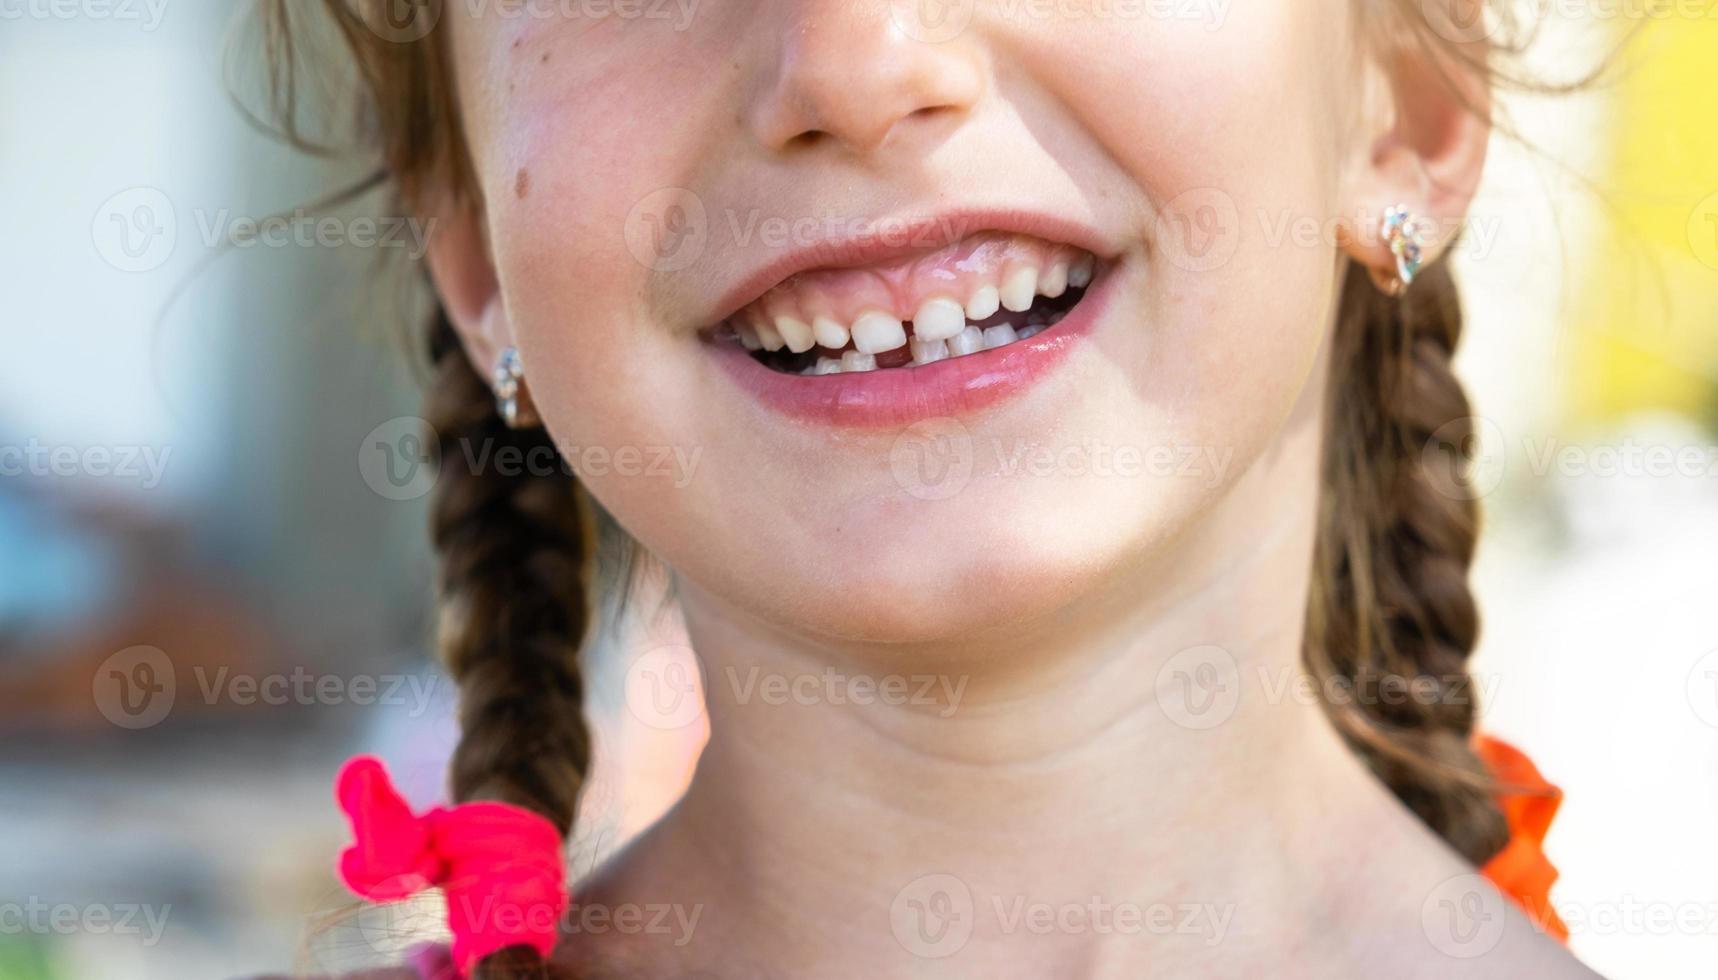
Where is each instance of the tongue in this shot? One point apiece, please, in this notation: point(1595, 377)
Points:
point(899, 357)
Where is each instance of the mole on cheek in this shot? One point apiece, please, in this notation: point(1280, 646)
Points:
point(521, 183)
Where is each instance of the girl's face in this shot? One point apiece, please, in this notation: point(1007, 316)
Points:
point(1131, 202)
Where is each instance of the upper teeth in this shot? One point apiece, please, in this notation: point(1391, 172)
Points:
point(830, 333)
point(768, 336)
point(876, 332)
point(941, 326)
point(1080, 272)
point(939, 319)
point(795, 334)
point(1055, 280)
point(1019, 289)
point(984, 303)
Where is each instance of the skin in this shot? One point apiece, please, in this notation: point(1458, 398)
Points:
point(1056, 601)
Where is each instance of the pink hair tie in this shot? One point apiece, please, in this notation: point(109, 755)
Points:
point(499, 865)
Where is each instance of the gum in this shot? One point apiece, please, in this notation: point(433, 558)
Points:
point(901, 287)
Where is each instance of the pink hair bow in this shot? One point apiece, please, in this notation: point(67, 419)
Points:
point(499, 866)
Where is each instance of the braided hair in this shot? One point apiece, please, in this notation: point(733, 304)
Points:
point(513, 550)
point(1390, 598)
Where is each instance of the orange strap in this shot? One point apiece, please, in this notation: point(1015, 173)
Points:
point(1521, 869)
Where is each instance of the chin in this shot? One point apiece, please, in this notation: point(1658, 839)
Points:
point(969, 575)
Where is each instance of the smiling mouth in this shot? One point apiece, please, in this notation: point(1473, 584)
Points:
point(982, 293)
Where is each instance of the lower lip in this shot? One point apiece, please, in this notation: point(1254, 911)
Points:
point(955, 387)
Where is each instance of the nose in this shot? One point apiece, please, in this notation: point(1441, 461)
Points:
point(851, 73)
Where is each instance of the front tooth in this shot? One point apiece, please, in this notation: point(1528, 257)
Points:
point(969, 341)
point(1019, 289)
point(795, 333)
point(826, 365)
point(999, 335)
point(929, 351)
point(1080, 273)
point(1055, 281)
point(1031, 330)
point(768, 336)
point(854, 361)
point(829, 332)
point(984, 303)
point(876, 332)
point(748, 336)
point(939, 319)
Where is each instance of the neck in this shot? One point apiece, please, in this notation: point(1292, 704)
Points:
point(1121, 770)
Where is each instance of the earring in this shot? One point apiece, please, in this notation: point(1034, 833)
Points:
point(507, 375)
point(1407, 234)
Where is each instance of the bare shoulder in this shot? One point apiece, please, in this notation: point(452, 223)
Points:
point(1493, 946)
point(1553, 960)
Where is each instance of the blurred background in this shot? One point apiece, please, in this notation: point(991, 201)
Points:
point(214, 577)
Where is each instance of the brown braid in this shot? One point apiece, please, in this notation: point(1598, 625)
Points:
point(513, 554)
point(1390, 595)
point(1396, 536)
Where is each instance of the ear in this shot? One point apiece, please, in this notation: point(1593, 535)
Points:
point(464, 274)
point(1425, 147)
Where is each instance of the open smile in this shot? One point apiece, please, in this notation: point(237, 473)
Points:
point(943, 331)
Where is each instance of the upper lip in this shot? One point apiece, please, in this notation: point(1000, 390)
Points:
point(899, 238)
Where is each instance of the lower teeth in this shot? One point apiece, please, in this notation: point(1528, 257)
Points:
point(970, 341)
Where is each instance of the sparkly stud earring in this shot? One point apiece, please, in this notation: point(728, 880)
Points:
point(1407, 234)
point(507, 375)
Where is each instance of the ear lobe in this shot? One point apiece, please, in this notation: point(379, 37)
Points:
point(465, 279)
point(1431, 157)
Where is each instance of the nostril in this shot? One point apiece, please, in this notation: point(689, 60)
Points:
point(812, 138)
point(932, 113)
point(806, 140)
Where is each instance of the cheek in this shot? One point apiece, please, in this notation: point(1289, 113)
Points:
point(1232, 136)
point(577, 158)
point(1229, 185)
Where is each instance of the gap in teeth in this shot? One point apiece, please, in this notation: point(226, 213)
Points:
point(894, 344)
point(786, 328)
